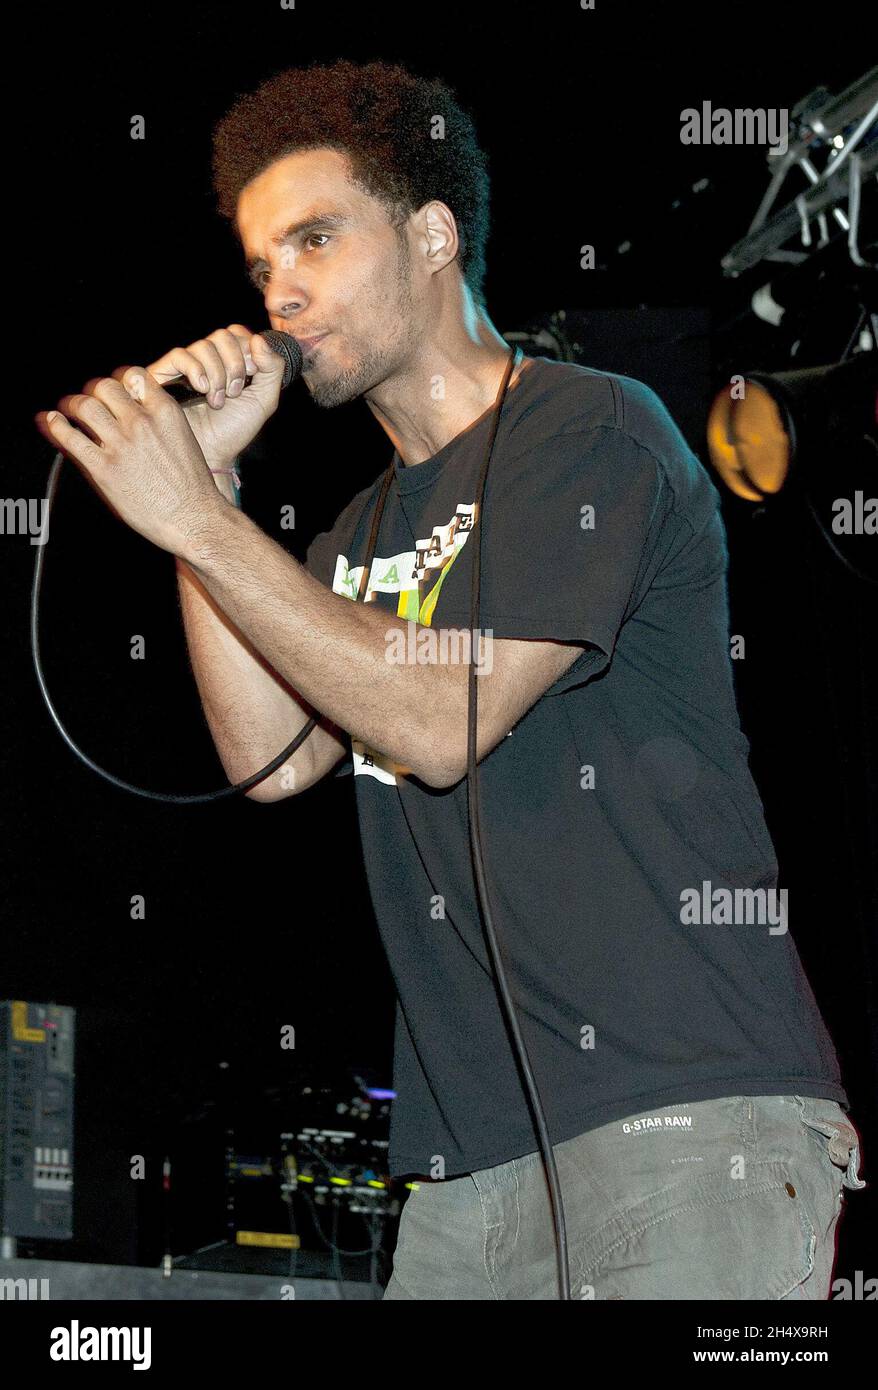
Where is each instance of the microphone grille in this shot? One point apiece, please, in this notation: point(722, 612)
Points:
point(285, 345)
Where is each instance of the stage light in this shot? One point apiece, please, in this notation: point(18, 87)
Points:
point(749, 445)
point(764, 426)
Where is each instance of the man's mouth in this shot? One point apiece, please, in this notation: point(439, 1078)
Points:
point(308, 344)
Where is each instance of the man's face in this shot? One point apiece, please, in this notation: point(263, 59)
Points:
point(345, 272)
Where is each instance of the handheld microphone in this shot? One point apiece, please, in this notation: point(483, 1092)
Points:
point(284, 344)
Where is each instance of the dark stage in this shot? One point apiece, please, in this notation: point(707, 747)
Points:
point(194, 941)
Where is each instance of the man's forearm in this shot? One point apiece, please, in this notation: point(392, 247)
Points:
point(250, 716)
point(332, 650)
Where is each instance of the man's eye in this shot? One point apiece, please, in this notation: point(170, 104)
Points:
point(261, 278)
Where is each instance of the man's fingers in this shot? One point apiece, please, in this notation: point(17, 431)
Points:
point(142, 387)
point(242, 335)
point(70, 440)
point(235, 354)
point(91, 415)
point(267, 358)
point(113, 396)
point(176, 363)
point(216, 365)
point(214, 368)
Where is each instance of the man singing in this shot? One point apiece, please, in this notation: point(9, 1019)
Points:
point(691, 1091)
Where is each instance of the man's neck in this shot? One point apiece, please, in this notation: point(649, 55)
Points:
point(420, 418)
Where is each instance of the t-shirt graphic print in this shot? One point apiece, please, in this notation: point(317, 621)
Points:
point(416, 577)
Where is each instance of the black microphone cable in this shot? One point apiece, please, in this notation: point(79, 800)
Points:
point(474, 809)
point(287, 347)
point(503, 991)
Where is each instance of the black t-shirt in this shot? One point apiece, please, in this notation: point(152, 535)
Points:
point(617, 816)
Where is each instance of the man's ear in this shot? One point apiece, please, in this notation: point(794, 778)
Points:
point(440, 232)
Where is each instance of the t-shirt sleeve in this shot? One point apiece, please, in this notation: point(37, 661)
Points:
point(321, 555)
point(571, 529)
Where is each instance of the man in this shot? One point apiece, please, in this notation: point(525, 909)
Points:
point(691, 1090)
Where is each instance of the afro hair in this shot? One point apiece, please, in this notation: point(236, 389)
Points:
point(407, 138)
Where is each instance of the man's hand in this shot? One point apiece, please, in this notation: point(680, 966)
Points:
point(141, 455)
point(231, 415)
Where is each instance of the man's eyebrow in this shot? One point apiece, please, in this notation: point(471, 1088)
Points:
point(306, 224)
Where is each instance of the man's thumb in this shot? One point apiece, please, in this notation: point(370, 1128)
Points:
point(265, 359)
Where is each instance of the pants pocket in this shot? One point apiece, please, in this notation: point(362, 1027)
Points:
point(836, 1135)
point(715, 1237)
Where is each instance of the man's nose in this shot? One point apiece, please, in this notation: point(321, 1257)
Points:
point(283, 309)
point(284, 298)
